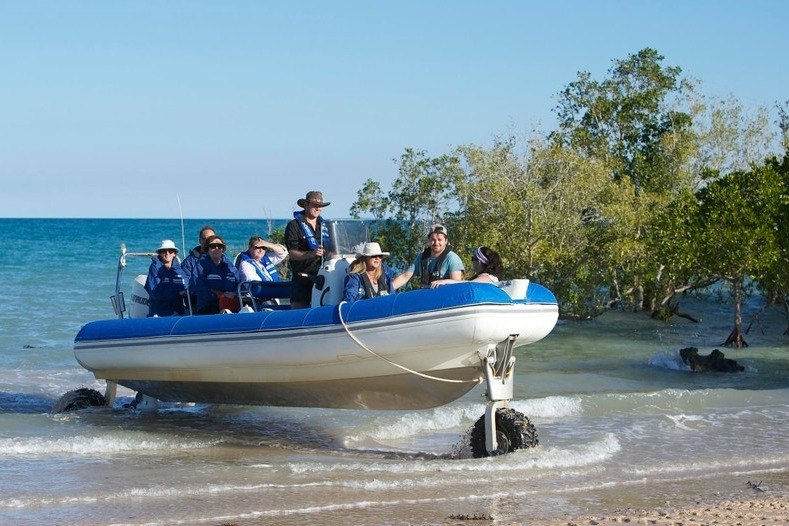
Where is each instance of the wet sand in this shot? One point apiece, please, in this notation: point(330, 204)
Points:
point(750, 504)
point(764, 510)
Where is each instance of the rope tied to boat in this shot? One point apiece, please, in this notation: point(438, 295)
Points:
point(403, 367)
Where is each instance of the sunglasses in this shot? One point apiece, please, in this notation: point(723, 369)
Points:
point(259, 248)
point(169, 251)
point(216, 245)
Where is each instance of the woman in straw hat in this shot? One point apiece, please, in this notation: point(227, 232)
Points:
point(166, 285)
point(368, 277)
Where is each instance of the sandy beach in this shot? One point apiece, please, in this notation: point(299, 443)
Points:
point(767, 509)
point(757, 504)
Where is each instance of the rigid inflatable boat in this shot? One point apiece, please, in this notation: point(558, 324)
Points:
point(410, 350)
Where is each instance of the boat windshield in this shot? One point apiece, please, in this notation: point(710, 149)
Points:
point(346, 235)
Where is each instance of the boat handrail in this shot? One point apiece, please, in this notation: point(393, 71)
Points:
point(117, 299)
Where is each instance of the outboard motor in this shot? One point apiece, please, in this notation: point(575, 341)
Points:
point(139, 299)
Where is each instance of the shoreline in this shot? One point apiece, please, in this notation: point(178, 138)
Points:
point(730, 501)
point(767, 508)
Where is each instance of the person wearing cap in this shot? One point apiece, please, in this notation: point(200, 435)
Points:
point(368, 276)
point(166, 282)
point(306, 238)
point(437, 261)
point(486, 264)
point(215, 280)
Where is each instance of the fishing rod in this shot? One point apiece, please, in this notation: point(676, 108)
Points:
point(183, 247)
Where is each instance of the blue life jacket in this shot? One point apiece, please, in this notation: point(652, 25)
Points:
point(210, 276)
point(269, 271)
point(165, 289)
point(310, 235)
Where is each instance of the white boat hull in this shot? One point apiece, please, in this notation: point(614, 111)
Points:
point(362, 364)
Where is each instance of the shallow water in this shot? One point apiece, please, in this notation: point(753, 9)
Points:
point(621, 421)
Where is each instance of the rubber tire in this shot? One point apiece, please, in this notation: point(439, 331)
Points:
point(513, 431)
point(77, 399)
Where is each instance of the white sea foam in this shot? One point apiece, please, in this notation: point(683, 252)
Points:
point(524, 459)
point(107, 443)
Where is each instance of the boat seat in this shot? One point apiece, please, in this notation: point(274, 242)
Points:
point(264, 295)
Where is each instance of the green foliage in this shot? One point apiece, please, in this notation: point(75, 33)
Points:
point(627, 120)
point(419, 197)
point(625, 204)
point(772, 274)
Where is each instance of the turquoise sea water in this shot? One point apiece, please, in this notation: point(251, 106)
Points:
point(621, 421)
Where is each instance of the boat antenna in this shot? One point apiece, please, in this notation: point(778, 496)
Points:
point(183, 247)
point(183, 233)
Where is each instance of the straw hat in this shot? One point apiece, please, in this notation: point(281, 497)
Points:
point(367, 250)
point(313, 198)
point(167, 244)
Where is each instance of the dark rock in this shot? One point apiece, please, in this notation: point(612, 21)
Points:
point(715, 361)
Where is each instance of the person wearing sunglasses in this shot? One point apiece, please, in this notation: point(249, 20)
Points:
point(259, 263)
point(216, 279)
point(166, 283)
point(487, 267)
point(368, 276)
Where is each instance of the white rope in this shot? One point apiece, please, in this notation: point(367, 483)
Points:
point(404, 368)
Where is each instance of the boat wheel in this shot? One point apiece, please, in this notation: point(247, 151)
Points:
point(78, 399)
point(513, 431)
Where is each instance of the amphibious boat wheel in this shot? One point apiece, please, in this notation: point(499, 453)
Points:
point(78, 399)
point(513, 431)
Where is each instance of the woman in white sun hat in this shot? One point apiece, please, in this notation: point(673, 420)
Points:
point(368, 276)
point(166, 285)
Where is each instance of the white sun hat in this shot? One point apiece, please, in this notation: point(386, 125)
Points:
point(370, 249)
point(167, 244)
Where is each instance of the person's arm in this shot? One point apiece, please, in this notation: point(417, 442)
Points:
point(446, 281)
point(402, 279)
point(152, 281)
point(455, 267)
point(276, 248)
point(277, 257)
point(482, 278)
point(300, 255)
point(456, 275)
point(232, 279)
point(248, 272)
point(292, 243)
point(351, 290)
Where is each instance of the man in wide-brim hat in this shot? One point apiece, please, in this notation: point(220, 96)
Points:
point(307, 239)
point(313, 199)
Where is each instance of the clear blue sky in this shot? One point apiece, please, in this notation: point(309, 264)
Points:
point(238, 108)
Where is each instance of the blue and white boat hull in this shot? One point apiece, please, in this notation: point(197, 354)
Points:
point(410, 350)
